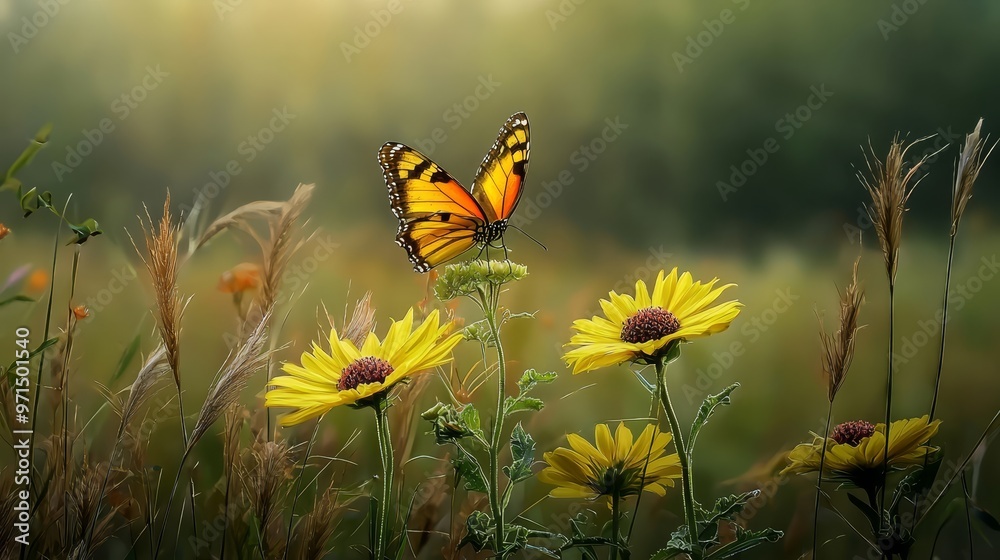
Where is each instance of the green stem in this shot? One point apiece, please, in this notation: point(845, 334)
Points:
point(940, 366)
point(819, 484)
point(385, 450)
point(496, 503)
point(295, 490)
point(888, 401)
point(687, 484)
point(616, 515)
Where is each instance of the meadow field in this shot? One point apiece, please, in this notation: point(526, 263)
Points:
point(726, 141)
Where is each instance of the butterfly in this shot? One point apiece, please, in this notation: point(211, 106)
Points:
point(439, 219)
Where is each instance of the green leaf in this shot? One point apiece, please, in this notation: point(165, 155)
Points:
point(530, 378)
point(868, 510)
point(522, 450)
point(985, 517)
point(677, 545)
point(915, 483)
point(85, 230)
point(728, 507)
point(41, 138)
point(12, 299)
point(705, 411)
point(467, 468)
point(126, 358)
point(478, 531)
point(470, 416)
point(744, 541)
point(521, 404)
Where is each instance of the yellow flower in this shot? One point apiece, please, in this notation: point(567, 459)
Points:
point(855, 450)
point(644, 326)
point(613, 466)
point(348, 375)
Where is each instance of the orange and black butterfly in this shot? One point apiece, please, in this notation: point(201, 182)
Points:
point(438, 218)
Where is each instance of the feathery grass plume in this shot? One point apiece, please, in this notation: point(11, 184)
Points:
point(143, 387)
point(225, 390)
point(889, 185)
point(161, 263)
point(280, 245)
point(362, 321)
point(969, 164)
point(265, 487)
point(86, 494)
point(319, 524)
point(838, 347)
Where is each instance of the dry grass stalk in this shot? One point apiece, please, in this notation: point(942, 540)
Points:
point(8, 516)
point(429, 511)
point(225, 390)
point(161, 263)
point(889, 185)
point(838, 347)
point(970, 163)
point(320, 524)
point(280, 245)
point(86, 495)
point(265, 488)
point(403, 416)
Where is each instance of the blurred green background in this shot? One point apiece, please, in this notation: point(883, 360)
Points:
point(655, 117)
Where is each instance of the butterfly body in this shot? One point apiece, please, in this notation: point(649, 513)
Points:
point(438, 218)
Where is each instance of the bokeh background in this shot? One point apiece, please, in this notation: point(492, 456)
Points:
point(646, 119)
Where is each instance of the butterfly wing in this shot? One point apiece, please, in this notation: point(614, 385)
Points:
point(438, 218)
point(499, 182)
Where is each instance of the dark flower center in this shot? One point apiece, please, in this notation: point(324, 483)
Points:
point(853, 432)
point(647, 324)
point(364, 370)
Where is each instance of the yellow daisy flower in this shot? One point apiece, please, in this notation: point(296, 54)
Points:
point(643, 327)
point(348, 375)
point(613, 467)
point(855, 451)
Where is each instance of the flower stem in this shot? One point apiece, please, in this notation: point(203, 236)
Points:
point(616, 516)
point(819, 483)
point(385, 450)
point(496, 502)
point(944, 327)
point(687, 484)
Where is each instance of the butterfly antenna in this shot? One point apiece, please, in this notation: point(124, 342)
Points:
point(537, 242)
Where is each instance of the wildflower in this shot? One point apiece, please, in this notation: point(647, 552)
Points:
point(4, 230)
point(469, 278)
point(614, 467)
point(644, 327)
point(855, 451)
point(38, 280)
point(240, 278)
point(352, 376)
point(81, 312)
